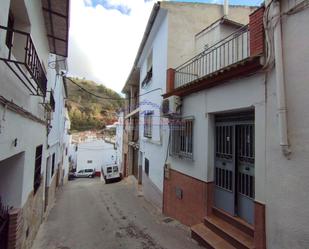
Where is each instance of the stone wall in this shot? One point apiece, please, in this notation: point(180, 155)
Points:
point(24, 223)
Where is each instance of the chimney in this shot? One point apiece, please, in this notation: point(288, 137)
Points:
point(226, 8)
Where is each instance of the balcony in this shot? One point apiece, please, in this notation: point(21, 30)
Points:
point(229, 51)
point(236, 55)
point(23, 60)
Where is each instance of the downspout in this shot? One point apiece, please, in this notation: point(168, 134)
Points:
point(280, 84)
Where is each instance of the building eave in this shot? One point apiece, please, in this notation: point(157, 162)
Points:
point(56, 17)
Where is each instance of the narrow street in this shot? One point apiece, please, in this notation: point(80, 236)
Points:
point(90, 214)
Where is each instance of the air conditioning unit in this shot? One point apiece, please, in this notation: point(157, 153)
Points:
point(171, 106)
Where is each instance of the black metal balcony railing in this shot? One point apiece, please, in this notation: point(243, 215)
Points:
point(24, 61)
point(232, 49)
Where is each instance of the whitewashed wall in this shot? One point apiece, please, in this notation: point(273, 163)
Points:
point(100, 152)
point(153, 148)
point(29, 134)
point(235, 95)
point(119, 137)
point(287, 196)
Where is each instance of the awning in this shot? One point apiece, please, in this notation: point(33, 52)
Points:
point(56, 16)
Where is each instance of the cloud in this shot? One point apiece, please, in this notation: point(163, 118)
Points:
point(109, 5)
point(104, 38)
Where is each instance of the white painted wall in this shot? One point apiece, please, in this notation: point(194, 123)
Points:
point(152, 148)
point(100, 152)
point(73, 154)
point(66, 144)
point(119, 138)
point(287, 196)
point(234, 95)
point(172, 41)
point(60, 124)
point(29, 134)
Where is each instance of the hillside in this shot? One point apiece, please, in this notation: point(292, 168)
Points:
point(88, 112)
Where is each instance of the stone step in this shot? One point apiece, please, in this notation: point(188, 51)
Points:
point(235, 221)
point(207, 238)
point(230, 233)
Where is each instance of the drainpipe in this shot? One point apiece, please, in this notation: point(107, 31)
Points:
point(280, 84)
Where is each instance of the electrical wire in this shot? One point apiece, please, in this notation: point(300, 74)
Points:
point(110, 98)
point(269, 26)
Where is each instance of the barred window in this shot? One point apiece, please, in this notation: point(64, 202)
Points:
point(37, 168)
point(181, 143)
point(148, 124)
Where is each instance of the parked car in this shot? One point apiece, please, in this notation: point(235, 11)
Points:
point(110, 172)
point(90, 173)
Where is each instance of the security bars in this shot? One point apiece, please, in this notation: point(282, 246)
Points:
point(148, 124)
point(181, 144)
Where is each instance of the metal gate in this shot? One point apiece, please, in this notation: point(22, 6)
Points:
point(4, 224)
point(234, 165)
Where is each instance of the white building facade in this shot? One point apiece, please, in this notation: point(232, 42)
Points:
point(231, 162)
point(95, 154)
point(168, 40)
point(26, 82)
point(238, 154)
point(119, 139)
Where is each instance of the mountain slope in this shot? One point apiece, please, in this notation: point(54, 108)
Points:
point(88, 112)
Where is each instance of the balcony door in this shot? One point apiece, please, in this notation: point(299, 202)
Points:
point(234, 165)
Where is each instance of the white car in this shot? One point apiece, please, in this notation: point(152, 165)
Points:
point(90, 173)
point(110, 172)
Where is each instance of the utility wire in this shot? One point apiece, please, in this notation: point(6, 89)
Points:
point(101, 97)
